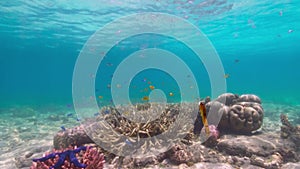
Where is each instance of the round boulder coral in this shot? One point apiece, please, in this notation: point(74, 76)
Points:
point(241, 114)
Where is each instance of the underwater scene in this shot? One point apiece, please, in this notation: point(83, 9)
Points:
point(149, 84)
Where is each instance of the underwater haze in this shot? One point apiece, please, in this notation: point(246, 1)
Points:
point(179, 51)
point(257, 42)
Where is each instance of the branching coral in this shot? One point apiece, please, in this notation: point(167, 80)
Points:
point(148, 129)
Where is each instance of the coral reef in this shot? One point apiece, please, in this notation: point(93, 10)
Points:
point(240, 151)
point(74, 136)
point(130, 128)
point(72, 158)
point(274, 161)
point(212, 139)
point(144, 106)
point(178, 154)
point(240, 114)
point(265, 149)
point(290, 131)
point(139, 129)
point(115, 119)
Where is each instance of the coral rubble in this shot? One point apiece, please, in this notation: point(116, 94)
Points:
point(290, 131)
point(240, 115)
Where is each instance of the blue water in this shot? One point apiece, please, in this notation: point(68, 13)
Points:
point(257, 42)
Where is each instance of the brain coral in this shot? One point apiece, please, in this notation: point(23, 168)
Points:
point(241, 114)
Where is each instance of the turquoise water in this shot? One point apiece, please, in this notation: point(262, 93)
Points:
point(257, 42)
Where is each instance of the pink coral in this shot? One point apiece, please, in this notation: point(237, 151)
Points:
point(214, 134)
point(91, 157)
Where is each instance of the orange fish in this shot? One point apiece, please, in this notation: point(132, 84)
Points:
point(119, 86)
point(151, 87)
point(100, 97)
point(203, 114)
point(226, 76)
point(145, 98)
point(171, 94)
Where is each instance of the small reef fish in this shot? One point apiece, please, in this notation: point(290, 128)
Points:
point(100, 97)
point(145, 98)
point(128, 142)
point(126, 113)
point(119, 86)
point(226, 76)
point(171, 94)
point(97, 114)
point(109, 64)
point(203, 114)
point(151, 87)
point(63, 128)
point(69, 114)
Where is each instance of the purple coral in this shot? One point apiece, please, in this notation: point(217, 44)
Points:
point(213, 137)
point(72, 158)
point(214, 132)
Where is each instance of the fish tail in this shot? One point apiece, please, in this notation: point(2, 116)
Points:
point(207, 130)
point(204, 117)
